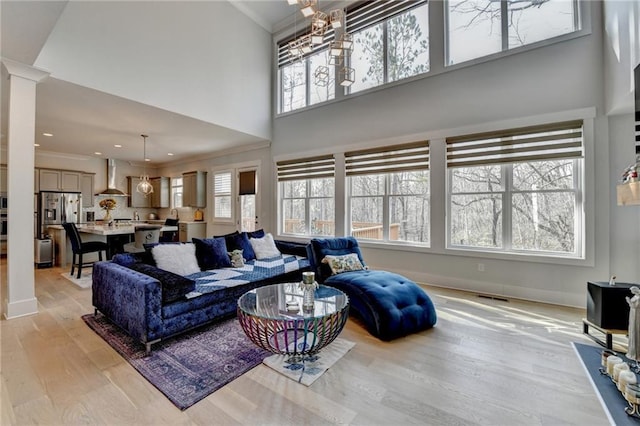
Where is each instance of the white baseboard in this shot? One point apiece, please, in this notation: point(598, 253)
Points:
point(21, 308)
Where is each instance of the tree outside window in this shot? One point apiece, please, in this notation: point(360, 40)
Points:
point(308, 207)
point(477, 28)
point(391, 50)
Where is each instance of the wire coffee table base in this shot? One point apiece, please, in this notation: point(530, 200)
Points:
point(266, 320)
point(295, 337)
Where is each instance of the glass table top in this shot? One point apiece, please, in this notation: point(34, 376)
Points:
point(284, 301)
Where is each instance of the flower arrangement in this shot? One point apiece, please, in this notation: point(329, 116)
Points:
point(108, 204)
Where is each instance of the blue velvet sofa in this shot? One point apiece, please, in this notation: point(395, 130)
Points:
point(390, 305)
point(142, 301)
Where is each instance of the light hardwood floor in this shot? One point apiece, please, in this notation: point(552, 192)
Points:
point(486, 362)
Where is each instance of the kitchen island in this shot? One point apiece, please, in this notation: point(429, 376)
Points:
point(115, 236)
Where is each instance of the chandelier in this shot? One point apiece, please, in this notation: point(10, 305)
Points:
point(144, 186)
point(339, 49)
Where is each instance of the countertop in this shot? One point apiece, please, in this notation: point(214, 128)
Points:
point(110, 230)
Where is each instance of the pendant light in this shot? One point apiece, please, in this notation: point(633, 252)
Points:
point(144, 186)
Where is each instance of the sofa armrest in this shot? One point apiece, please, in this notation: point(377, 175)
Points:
point(130, 299)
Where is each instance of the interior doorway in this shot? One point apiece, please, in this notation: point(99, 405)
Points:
point(248, 200)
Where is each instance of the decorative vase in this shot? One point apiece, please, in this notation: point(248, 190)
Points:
point(308, 295)
point(107, 216)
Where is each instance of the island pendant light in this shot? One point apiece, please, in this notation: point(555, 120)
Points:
point(144, 186)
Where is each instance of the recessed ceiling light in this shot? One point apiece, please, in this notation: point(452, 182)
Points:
point(170, 154)
point(147, 159)
point(36, 144)
point(97, 153)
point(47, 134)
point(118, 146)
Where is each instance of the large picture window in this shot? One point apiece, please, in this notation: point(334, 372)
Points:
point(307, 191)
point(298, 83)
point(477, 28)
point(391, 41)
point(517, 191)
point(389, 193)
point(222, 201)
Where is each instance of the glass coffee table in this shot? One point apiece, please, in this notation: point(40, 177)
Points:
point(269, 317)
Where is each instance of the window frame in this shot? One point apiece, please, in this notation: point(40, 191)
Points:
point(497, 159)
point(174, 187)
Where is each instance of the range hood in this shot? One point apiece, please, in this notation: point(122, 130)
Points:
point(111, 181)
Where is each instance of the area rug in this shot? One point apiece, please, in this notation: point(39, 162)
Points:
point(308, 369)
point(610, 397)
point(83, 282)
point(188, 367)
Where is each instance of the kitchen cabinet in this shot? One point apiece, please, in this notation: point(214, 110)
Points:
point(36, 180)
point(194, 189)
point(3, 178)
point(59, 180)
point(160, 194)
point(86, 187)
point(189, 230)
point(136, 199)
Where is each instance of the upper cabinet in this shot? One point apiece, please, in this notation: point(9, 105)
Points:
point(160, 194)
point(136, 199)
point(3, 178)
point(59, 180)
point(194, 189)
point(86, 187)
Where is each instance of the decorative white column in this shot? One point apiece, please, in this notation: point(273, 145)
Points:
point(20, 298)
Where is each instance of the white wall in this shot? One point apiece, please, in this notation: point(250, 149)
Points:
point(205, 60)
point(558, 78)
point(621, 53)
point(625, 221)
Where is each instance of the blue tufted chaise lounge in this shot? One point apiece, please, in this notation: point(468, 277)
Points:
point(389, 304)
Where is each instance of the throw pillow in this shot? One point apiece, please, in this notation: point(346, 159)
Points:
point(344, 263)
point(174, 287)
point(265, 247)
point(240, 241)
point(256, 234)
point(177, 258)
point(211, 253)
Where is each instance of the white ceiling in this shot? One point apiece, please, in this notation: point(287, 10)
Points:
point(84, 121)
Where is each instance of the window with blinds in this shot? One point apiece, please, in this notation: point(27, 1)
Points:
point(517, 190)
point(391, 41)
point(389, 193)
point(222, 195)
point(544, 142)
point(306, 196)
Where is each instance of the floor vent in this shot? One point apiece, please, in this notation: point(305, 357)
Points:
point(501, 299)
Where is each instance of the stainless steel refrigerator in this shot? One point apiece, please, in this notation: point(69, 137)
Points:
point(55, 208)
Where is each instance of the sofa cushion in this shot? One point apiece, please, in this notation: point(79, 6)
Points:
point(128, 259)
point(174, 287)
point(265, 247)
point(177, 258)
point(321, 247)
point(256, 234)
point(211, 253)
point(288, 247)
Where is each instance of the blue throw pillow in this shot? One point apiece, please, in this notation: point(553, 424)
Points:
point(240, 241)
point(128, 259)
point(256, 234)
point(212, 253)
point(174, 286)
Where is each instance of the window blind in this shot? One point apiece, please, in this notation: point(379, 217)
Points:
point(308, 168)
point(222, 183)
point(544, 142)
point(398, 158)
point(247, 183)
point(283, 46)
point(368, 13)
